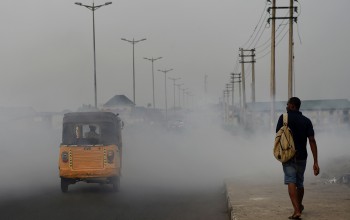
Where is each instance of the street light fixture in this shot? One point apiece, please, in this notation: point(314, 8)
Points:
point(166, 104)
point(133, 42)
point(152, 60)
point(93, 8)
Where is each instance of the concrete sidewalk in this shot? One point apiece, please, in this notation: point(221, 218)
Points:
point(247, 201)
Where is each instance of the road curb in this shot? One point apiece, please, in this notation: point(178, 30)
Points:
point(230, 210)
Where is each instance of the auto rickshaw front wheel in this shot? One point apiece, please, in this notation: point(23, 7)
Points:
point(64, 185)
point(115, 184)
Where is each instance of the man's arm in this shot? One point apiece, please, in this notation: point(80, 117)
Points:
point(313, 147)
point(279, 123)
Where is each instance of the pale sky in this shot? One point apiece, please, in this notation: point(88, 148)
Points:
point(46, 56)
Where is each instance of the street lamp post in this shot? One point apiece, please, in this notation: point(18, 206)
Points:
point(179, 89)
point(152, 60)
point(166, 102)
point(174, 79)
point(133, 42)
point(93, 8)
point(183, 96)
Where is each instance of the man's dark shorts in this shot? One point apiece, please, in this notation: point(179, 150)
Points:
point(294, 172)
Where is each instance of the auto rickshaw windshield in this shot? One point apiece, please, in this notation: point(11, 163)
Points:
point(87, 133)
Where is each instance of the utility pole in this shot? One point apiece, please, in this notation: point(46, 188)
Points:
point(236, 78)
point(291, 43)
point(252, 55)
point(228, 87)
point(226, 94)
point(243, 79)
point(174, 79)
point(152, 60)
point(253, 75)
point(233, 87)
point(239, 80)
point(273, 64)
point(273, 49)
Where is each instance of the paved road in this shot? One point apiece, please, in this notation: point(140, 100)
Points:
point(97, 202)
point(164, 177)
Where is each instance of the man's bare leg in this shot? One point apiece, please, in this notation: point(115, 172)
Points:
point(293, 194)
point(300, 192)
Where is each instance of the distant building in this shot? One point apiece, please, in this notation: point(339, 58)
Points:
point(119, 101)
point(323, 113)
point(120, 104)
point(27, 117)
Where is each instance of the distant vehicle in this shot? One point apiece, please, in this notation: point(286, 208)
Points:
point(176, 125)
point(91, 149)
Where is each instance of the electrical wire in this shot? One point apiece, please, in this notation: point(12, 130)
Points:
point(277, 35)
point(298, 23)
point(262, 24)
point(260, 37)
point(248, 71)
point(251, 36)
point(276, 46)
point(276, 32)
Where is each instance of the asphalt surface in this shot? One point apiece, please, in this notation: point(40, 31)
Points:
point(166, 175)
point(162, 179)
point(92, 201)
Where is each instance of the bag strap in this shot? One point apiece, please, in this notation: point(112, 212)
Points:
point(285, 119)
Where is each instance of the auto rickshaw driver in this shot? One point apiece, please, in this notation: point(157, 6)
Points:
point(92, 133)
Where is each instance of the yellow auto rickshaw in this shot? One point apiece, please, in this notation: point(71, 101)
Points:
point(91, 149)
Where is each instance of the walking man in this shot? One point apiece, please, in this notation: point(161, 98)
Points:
point(294, 169)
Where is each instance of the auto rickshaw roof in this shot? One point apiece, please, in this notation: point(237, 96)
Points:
point(90, 117)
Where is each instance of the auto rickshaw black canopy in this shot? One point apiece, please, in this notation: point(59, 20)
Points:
point(109, 123)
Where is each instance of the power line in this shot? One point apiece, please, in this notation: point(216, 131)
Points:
point(276, 46)
point(277, 34)
point(262, 24)
point(251, 36)
point(299, 13)
point(269, 45)
point(268, 40)
point(259, 37)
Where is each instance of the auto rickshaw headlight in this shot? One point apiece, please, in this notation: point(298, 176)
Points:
point(110, 156)
point(64, 156)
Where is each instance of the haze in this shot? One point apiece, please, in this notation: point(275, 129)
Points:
point(47, 58)
point(46, 62)
point(201, 156)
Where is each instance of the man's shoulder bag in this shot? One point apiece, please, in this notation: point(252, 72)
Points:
point(284, 148)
